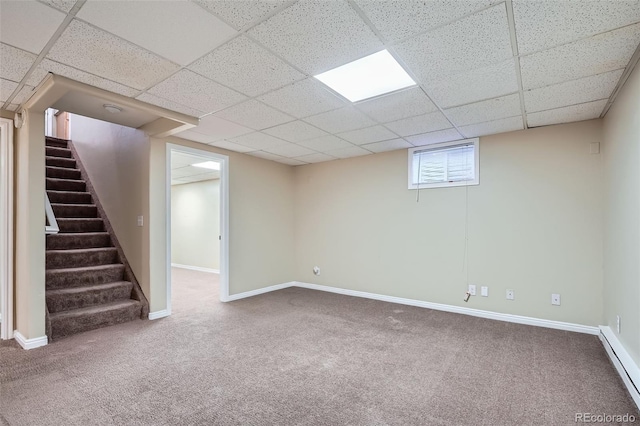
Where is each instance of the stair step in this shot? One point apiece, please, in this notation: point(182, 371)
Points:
point(52, 151)
point(69, 197)
point(84, 224)
point(55, 142)
point(74, 210)
point(56, 184)
point(81, 240)
point(68, 163)
point(56, 259)
point(84, 319)
point(82, 297)
point(63, 173)
point(78, 277)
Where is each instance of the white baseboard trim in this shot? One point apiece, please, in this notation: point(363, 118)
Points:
point(458, 309)
point(27, 344)
point(195, 268)
point(626, 367)
point(246, 294)
point(159, 314)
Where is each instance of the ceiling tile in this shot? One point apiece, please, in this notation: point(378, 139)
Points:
point(446, 135)
point(473, 42)
point(218, 128)
point(83, 46)
point(475, 85)
point(353, 151)
point(543, 24)
point(296, 35)
point(384, 146)
point(302, 99)
point(6, 89)
point(489, 110)
point(492, 127)
point(572, 92)
point(368, 135)
point(291, 161)
point(63, 5)
point(255, 115)
point(47, 66)
point(325, 143)
point(316, 158)
point(12, 107)
point(241, 13)
point(194, 136)
point(231, 146)
point(265, 155)
point(567, 114)
point(173, 106)
point(594, 55)
point(28, 25)
point(289, 150)
point(182, 160)
point(188, 88)
point(246, 67)
point(295, 131)
point(398, 105)
point(15, 63)
point(258, 140)
point(340, 120)
point(420, 124)
point(177, 30)
point(398, 19)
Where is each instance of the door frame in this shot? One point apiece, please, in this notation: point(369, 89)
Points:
point(6, 228)
point(224, 215)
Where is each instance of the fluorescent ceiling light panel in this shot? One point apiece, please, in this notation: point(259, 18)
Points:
point(365, 78)
point(208, 165)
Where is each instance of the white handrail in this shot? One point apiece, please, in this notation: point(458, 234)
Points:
point(51, 226)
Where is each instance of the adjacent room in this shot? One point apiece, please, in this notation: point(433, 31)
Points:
point(319, 212)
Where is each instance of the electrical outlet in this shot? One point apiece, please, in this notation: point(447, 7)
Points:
point(555, 299)
point(140, 221)
point(618, 323)
point(510, 295)
point(484, 291)
point(316, 270)
point(472, 289)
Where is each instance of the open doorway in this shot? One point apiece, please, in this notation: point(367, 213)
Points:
point(197, 227)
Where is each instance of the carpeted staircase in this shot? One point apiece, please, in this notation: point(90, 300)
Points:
point(86, 285)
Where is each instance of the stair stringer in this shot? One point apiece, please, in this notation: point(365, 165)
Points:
point(137, 293)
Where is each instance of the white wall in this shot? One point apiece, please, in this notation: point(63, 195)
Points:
point(116, 159)
point(535, 226)
point(195, 224)
point(622, 215)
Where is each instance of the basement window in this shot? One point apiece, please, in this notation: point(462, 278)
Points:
point(446, 164)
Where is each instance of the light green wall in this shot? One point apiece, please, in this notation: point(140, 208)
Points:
point(534, 226)
point(195, 224)
point(622, 215)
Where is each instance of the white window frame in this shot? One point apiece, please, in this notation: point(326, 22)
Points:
point(476, 154)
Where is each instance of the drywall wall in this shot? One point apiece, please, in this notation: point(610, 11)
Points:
point(195, 224)
point(261, 216)
point(621, 152)
point(30, 304)
point(116, 159)
point(534, 226)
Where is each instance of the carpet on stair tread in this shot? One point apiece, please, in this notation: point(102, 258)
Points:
point(62, 172)
point(84, 319)
point(82, 224)
point(77, 277)
point(69, 163)
point(69, 258)
point(58, 184)
point(78, 240)
point(69, 197)
point(85, 296)
point(75, 210)
point(58, 152)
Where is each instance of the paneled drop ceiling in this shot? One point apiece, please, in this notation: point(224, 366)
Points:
point(246, 67)
point(183, 171)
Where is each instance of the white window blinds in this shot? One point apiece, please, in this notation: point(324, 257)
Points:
point(444, 164)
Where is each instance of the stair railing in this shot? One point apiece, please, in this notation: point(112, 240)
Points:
point(51, 225)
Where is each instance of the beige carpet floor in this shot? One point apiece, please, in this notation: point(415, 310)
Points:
point(301, 357)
